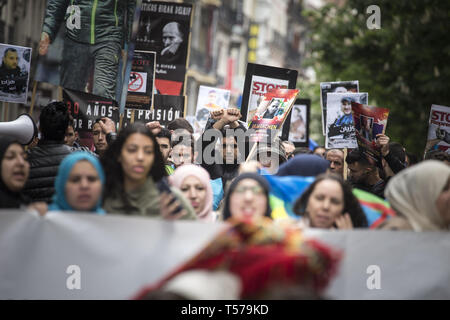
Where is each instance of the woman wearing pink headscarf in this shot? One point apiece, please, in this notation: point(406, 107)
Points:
point(194, 182)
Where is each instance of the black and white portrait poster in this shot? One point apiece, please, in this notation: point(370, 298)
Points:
point(336, 87)
point(260, 79)
point(81, 45)
point(14, 73)
point(165, 109)
point(141, 82)
point(164, 27)
point(340, 131)
point(296, 127)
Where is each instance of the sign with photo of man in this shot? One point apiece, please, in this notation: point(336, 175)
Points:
point(209, 99)
point(164, 27)
point(259, 80)
point(439, 129)
point(296, 126)
point(14, 73)
point(336, 87)
point(340, 129)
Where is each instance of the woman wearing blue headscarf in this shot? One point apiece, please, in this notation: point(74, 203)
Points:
point(79, 184)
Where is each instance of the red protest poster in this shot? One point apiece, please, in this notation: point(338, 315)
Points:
point(369, 121)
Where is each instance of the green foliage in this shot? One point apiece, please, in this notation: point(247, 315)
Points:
point(404, 66)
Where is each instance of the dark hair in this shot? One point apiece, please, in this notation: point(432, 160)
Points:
point(413, 159)
point(53, 121)
point(396, 150)
point(180, 123)
point(164, 133)
point(357, 156)
point(113, 169)
point(8, 50)
point(351, 203)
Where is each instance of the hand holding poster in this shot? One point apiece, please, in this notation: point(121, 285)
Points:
point(369, 121)
point(272, 112)
point(439, 129)
point(14, 73)
point(340, 132)
point(209, 99)
point(336, 87)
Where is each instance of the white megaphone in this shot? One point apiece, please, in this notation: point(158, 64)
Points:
point(23, 129)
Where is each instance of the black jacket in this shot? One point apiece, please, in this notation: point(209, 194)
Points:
point(44, 161)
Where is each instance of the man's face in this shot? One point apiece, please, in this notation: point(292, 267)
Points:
point(346, 107)
point(171, 35)
point(229, 150)
point(11, 60)
point(289, 149)
point(273, 106)
point(357, 173)
point(182, 154)
point(336, 159)
point(99, 139)
point(164, 146)
point(70, 136)
point(212, 97)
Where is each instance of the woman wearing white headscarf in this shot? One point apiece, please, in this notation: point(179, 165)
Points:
point(421, 195)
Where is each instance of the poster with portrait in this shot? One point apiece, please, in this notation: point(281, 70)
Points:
point(14, 73)
point(296, 126)
point(439, 129)
point(164, 27)
point(209, 99)
point(85, 109)
point(272, 113)
point(141, 82)
point(336, 87)
point(340, 131)
point(165, 109)
point(369, 121)
point(259, 79)
point(82, 51)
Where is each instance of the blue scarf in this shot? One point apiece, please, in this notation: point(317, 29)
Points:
point(59, 199)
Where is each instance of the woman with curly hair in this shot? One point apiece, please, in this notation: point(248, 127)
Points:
point(329, 203)
point(135, 178)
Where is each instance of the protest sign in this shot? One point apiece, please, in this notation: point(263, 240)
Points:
point(14, 73)
point(85, 109)
point(141, 82)
point(271, 113)
point(369, 121)
point(337, 87)
point(340, 132)
point(296, 126)
point(164, 27)
point(166, 109)
point(259, 79)
point(439, 129)
point(209, 99)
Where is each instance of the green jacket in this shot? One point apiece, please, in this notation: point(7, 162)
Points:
point(90, 21)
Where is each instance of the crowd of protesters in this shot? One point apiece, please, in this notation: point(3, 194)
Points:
point(148, 170)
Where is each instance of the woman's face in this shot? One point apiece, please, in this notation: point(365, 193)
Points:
point(248, 200)
point(195, 191)
point(325, 204)
point(15, 168)
point(137, 157)
point(83, 187)
point(443, 203)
